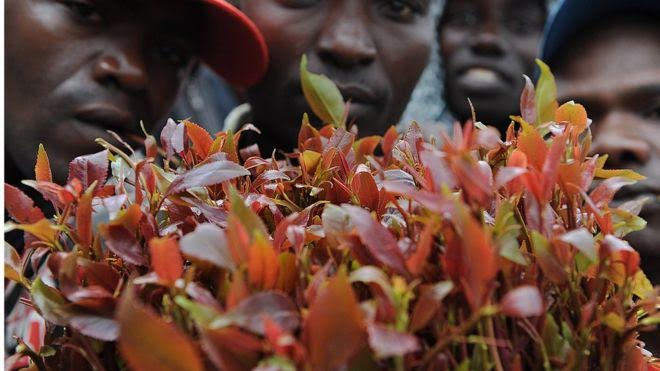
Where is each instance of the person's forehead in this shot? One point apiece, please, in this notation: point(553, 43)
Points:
point(608, 51)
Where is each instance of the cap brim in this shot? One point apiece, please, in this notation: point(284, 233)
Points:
point(232, 45)
point(572, 16)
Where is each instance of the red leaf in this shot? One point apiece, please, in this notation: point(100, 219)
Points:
point(89, 168)
point(231, 349)
point(42, 170)
point(21, 207)
point(378, 240)
point(390, 137)
point(123, 243)
point(166, 259)
point(365, 188)
point(551, 166)
point(523, 301)
point(149, 343)
point(387, 342)
point(251, 312)
point(200, 138)
point(428, 304)
point(206, 175)
point(334, 329)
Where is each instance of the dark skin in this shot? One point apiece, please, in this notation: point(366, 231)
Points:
point(486, 47)
point(76, 68)
point(375, 50)
point(615, 73)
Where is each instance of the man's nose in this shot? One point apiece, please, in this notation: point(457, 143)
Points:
point(346, 42)
point(124, 67)
point(487, 42)
point(617, 137)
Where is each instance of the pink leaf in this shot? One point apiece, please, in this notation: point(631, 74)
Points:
point(387, 342)
point(89, 168)
point(523, 301)
point(206, 175)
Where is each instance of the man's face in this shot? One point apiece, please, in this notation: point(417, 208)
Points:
point(75, 69)
point(375, 50)
point(486, 47)
point(614, 70)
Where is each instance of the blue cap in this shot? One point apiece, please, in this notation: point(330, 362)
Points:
point(572, 16)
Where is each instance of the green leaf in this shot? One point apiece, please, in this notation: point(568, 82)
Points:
point(506, 231)
point(322, 95)
point(641, 286)
point(49, 302)
point(546, 95)
point(201, 314)
point(250, 220)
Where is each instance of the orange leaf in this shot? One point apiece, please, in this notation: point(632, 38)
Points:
point(84, 218)
point(238, 290)
point(149, 343)
point(573, 113)
point(42, 168)
point(471, 244)
point(166, 258)
point(416, 262)
point(200, 138)
point(532, 144)
point(263, 264)
point(334, 329)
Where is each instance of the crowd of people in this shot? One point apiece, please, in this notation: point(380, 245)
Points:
point(75, 69)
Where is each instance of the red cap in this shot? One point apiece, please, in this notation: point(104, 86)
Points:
point(232, 44)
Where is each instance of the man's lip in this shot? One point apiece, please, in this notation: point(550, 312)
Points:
point(357, 93)
point(107, 117)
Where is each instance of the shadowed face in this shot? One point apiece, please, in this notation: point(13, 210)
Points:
point(375, 50)
point(486, 47)
point(77, 68)
point(615, 72)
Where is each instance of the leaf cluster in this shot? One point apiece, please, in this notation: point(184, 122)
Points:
point(393, 252)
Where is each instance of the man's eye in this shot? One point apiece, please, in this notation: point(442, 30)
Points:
point(85, 10)
point(399, 10)
point(299, 4)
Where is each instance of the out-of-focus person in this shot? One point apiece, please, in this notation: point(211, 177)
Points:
point(606, 56)
point(75, 69)
point(486, 46)
point(206, 99)
point(374, 50)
